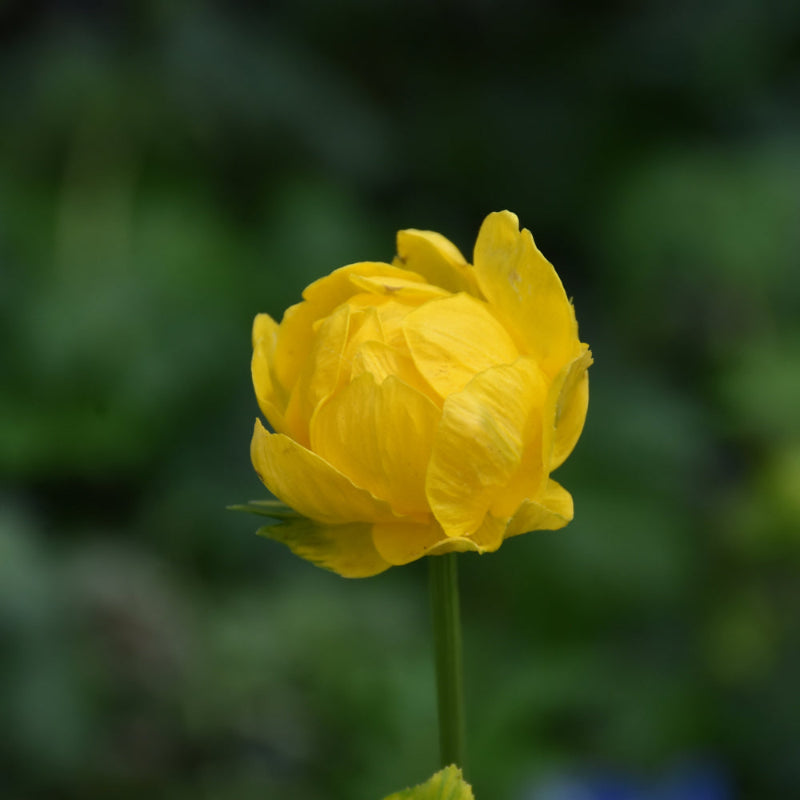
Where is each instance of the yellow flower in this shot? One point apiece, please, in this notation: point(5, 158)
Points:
point(419, 407)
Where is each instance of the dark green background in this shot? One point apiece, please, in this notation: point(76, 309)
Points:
point(169, 169)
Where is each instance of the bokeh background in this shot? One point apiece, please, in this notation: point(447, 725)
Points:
point(169, 169)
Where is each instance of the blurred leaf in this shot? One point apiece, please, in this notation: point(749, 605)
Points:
point(448, 784)
point(267, 508)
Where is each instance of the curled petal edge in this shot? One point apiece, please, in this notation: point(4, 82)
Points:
point(552, 511)
point(404, 542)
point(437, 259)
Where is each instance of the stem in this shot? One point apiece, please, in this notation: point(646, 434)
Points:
point(449, 671)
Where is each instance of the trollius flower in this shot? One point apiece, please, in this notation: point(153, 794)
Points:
point(420, 407)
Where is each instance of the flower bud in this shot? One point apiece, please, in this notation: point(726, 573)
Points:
point(419, 407)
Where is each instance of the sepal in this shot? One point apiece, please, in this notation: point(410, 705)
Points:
point(267, 508)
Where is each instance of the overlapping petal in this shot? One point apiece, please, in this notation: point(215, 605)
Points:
point(297, 333)
point(320, 375)
point(403, 542)
point(480, 444)
point(382, 360)
point(525, 292)
point(309, 484)
point(380, 435)
point(453, 339)
point(271, 396)
point(437, 259)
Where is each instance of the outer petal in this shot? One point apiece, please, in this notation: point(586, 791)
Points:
point(490, 535)
point(565, 411)
point(437, 259)
point(525, 292)
point(380, 435)
point(345, 549)
point(270, 394)
point(480, 444)
point(453, 339)
point(553, 511)
point(310, 485)
point(403, 542)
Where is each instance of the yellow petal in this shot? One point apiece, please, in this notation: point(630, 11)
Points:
point(399, 288)
point(565, 412)
point(380, 435)
point(321, 373)
point(345, 549)
point(270, 394)
point(452, 339)
point(380, 360)
point(310, 485)
point(480, 443)
point(334, 289)
point(525, 292)
point(553, 511)
point(403, 542)
point(365, 326)
point(296, 333)
point(264, 327)
point(490, 535)
point(393, 315)
point(437, 259)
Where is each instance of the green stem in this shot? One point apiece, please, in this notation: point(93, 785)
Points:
point(449, 671)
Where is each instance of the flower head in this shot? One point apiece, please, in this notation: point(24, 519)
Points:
point(419, 407)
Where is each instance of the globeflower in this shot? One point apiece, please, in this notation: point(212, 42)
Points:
point(420, 407)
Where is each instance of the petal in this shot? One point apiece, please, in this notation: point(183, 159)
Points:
point(567, 403)
point(437, 259)
point(345, 549)
point(490, 535)
point(296, 333)
point(403, 542)
point(270, 394)
point(480, 443)
point(380, 435)
point(393, 315)
point(399, 288)
point(381, 360)
point(365, 326)
point(264, 327)
point(525, 292)
point(553, 511)
point(310, 485)
point(334, 289)
point(321, 373)
point(451, 340)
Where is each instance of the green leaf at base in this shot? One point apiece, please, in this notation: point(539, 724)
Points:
point(447, 784)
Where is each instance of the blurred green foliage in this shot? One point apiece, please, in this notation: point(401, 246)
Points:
point(168, 170)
